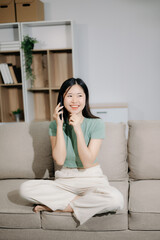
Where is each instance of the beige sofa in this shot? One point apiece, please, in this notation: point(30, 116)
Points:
point(25, 153)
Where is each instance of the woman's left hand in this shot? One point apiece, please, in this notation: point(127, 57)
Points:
point(75, 121)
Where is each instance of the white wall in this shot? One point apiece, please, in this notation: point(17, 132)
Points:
point(118, 50)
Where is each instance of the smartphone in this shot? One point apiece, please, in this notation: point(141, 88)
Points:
point(61, 104)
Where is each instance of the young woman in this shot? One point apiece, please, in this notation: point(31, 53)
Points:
point(76, 136)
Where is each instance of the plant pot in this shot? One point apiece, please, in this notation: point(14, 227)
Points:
point(17, 117)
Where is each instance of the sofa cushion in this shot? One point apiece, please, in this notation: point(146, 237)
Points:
point(144, 205)
point(101, 222)
point(144, 149)
point(16, 212)
point(25, 150)
point(113, 153)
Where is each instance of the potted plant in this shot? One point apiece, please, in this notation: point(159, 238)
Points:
point(17, 114)
point(27, 45)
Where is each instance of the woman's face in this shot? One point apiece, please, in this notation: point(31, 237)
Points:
point(75, 99)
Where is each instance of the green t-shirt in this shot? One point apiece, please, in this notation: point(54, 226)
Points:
point(92, 129)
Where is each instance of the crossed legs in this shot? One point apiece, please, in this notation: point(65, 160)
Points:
point(54, 197)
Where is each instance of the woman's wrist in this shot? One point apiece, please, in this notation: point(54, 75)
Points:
point(60, 127)
point(78, 129)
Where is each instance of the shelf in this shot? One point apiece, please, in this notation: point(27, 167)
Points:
point(50, 34)
point(52, 49)
point(11, 85)
point(47, 23)
point(10, 32)
point(40, 69)
point(60, 67)
point(41, 105)
point(56, 89)
point(38, 89)
point(11, 99)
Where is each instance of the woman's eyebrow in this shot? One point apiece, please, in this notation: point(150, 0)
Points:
point(74, 93)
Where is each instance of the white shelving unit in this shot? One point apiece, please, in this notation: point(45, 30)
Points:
point(53, 62)
point(11, 95)
point(54, 54)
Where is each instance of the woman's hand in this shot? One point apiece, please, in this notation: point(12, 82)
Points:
point(75, 120)
point(58, 142)
point(56, 115)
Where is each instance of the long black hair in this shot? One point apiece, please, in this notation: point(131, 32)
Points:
point(65, 87)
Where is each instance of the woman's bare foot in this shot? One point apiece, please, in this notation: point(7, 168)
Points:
point(39, 208)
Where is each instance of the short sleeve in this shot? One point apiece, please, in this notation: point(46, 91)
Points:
point(53, 129)
point(98, 129)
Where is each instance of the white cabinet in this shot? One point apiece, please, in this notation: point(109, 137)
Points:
point(111, 112)
point(117, 112)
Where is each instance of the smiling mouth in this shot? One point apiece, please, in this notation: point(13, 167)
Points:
point(75, 107)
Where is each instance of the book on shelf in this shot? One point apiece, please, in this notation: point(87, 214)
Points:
point(10, 80)
point(17, 72)
point(14, 78)
point(4, 73)
point(8, 73)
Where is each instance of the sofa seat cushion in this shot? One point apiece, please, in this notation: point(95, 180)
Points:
point(101, 222)
point(144, 205)
point(16, 212)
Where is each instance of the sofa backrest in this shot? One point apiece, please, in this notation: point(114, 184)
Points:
point(25, 151)
point(113, 153)
point(144, 149)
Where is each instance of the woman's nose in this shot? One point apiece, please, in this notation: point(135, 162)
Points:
point(74, 99)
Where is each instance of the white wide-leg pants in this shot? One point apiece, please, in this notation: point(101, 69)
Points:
point(96, 195)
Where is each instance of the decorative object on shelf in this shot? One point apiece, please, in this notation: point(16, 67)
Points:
point(27, 45)
point(17, 114)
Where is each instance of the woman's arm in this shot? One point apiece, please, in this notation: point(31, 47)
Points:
point(58, 147)
point(58, 142)
point(86, 153)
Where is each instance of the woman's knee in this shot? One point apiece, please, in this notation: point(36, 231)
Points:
point(23, 190)
point(117, 200)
